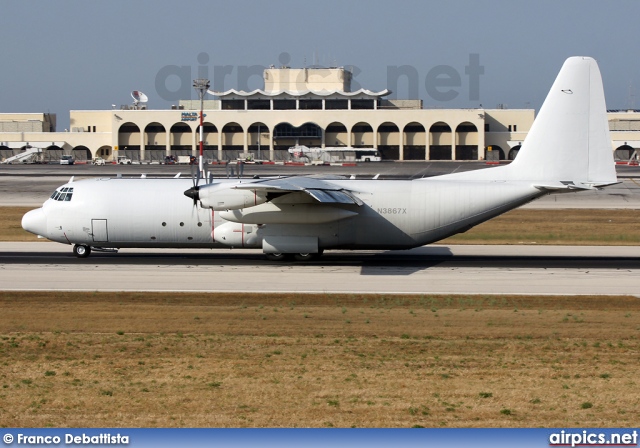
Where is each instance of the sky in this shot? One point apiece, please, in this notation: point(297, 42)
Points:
point(73, 55)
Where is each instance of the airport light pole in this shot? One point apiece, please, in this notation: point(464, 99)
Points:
point(201, 85)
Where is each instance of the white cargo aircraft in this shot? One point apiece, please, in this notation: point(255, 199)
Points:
point(567, 149)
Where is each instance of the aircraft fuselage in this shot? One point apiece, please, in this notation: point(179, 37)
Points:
point(119, 213)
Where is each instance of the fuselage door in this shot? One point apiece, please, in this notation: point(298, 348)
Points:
point(99, 230)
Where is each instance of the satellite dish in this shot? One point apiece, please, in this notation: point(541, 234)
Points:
point(139, 97)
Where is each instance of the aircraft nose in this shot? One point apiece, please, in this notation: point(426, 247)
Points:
point(35, 222)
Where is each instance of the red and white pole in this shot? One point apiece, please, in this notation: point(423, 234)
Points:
point(201, 160)
point(201, 85)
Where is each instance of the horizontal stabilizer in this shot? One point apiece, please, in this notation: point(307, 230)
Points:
point(569, 186)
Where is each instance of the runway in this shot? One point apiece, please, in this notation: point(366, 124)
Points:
point(548, 270)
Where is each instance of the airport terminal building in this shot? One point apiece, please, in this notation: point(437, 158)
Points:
point(314, 107)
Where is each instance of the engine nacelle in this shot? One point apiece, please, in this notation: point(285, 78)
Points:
point(235, 234)
point(229, 198)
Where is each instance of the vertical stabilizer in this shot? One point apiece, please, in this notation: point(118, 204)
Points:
point(569, 141)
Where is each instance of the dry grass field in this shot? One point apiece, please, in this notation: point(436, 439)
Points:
point(221, 360)
point(564, 227)
point(238, 360)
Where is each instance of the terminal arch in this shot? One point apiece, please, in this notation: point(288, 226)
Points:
point(129, 134)
point(209, 134)
point(81, 154)
point(181, 134)
point(335, 134)
point(623, 152)
point(232, 141)
point(259, 140)
point(440, 142)
point(415, 141)
point(389, 141)
point(466, 141)
point(5, 152)
point(52, 154)
point(285, 135)
point(513, 153)
point(155, 135)
point(362, 135)
point(155, 140)
point(129, 140)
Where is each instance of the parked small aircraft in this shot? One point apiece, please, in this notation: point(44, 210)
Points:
point(567, 149)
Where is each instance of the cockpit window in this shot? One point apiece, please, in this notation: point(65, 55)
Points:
point(63, 194)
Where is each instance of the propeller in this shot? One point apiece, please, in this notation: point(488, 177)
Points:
point(194, 192)
point(196, 175)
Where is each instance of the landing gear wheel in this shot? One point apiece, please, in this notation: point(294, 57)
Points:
point(307, 257)
point(81, 251)
point(277, 257)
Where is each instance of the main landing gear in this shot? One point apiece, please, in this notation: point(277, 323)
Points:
point(81, 250)
point(296, 257)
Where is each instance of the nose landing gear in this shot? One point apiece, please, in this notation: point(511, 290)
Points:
point(81, 251)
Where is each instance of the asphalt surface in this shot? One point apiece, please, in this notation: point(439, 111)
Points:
point(432, 269)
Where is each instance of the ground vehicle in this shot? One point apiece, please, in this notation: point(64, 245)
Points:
point(184, 160)
point(335, 154)
point(98, 161)
point(368, 155)
point(67, 160)
point(124, 160)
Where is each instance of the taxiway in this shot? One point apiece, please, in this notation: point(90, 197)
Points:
point(31, 185)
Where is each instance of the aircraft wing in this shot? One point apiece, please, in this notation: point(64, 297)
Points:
point(321, 190)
